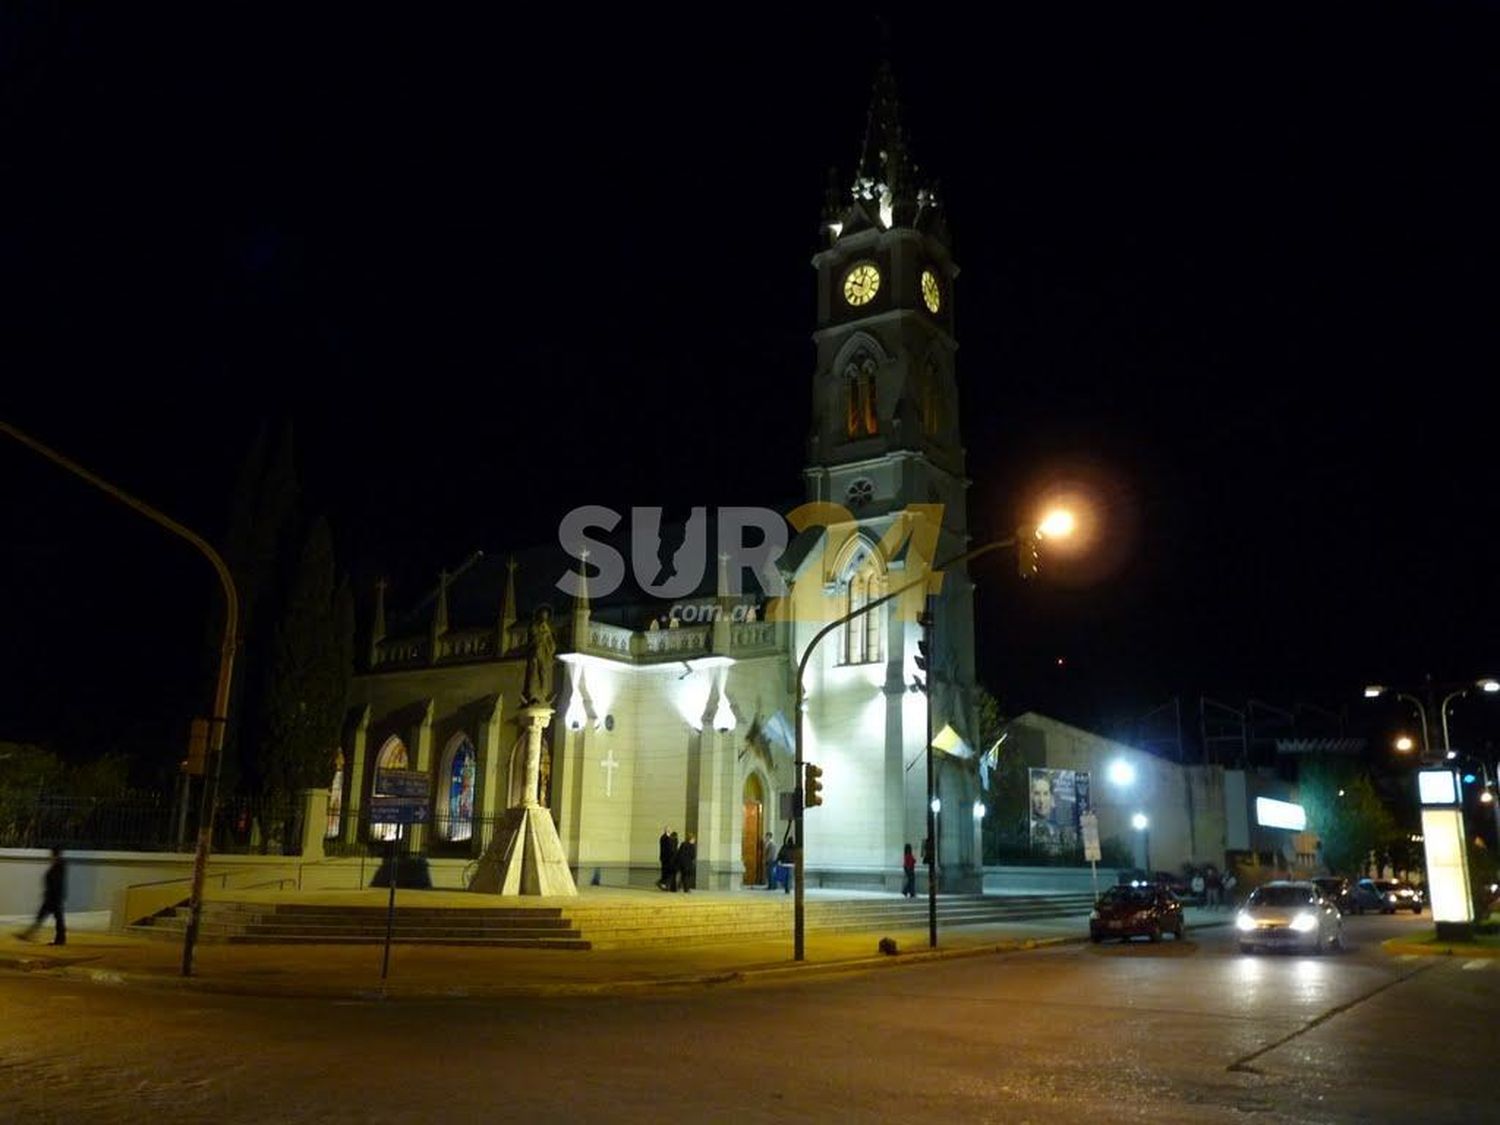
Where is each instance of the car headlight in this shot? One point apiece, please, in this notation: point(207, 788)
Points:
point(1390, 898)
point(1305, 923)
point(1244, 922)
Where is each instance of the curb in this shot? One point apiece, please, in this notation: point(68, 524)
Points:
point(396, 992)
point(1400, 946)
point(75, 970)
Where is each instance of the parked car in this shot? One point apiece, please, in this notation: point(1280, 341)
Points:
point(1137, 909)
point(1286, 914)
point(1337, 890)
point(1387, 896)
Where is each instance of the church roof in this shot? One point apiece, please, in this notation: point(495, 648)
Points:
point(476, 587)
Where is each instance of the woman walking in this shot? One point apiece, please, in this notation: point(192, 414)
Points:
point(909, 873)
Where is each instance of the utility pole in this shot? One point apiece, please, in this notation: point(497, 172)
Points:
point(221, 689)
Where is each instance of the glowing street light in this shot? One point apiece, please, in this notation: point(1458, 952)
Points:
point(1404, 744)
point(1121, 773)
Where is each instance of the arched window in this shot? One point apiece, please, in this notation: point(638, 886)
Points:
point(861, 410)
point(392, 756)
point(335, 798)
point(865, 581)
point(456, 796)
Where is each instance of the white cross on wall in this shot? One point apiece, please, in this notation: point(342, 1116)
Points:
point(609, 765)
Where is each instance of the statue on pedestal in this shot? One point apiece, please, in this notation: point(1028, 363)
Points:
point(536, 689)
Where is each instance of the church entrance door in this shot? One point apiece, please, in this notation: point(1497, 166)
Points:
point(753, 832)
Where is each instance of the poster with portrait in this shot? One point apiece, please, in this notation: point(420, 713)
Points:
point(1057, 799)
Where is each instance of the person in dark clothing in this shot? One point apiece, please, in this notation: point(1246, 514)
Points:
point(786, 860)
point(770, 857)
point(54, 890)
point(908, 873)
point(666, 846)
point(687, 863)
point(672, 874)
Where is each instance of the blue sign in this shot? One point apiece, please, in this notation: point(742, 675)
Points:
point(400, 810)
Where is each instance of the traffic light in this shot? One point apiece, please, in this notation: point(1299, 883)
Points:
point(1028, 554)
point(812, 785)
point(197, 747)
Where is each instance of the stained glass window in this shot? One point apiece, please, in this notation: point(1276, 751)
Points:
point(460, 819)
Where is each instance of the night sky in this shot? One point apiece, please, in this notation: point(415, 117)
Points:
point(1234, 269)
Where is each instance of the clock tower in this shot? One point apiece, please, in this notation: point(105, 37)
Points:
point(885, 403)
point(884, 444)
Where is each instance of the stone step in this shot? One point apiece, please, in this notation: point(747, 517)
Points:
point(617, 925)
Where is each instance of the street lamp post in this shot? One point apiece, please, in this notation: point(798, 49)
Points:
point(221, 687)
point(1056, 525)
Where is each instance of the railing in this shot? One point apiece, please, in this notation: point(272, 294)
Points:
point(752, 635)
point(667, 642)
point(148, 822)
point(134, 822)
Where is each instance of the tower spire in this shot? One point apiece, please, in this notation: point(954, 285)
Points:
point(507, 608)
point(581, 609)
point(439, 615)
point(377, 627)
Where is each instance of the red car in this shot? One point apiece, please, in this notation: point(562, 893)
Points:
point(1136, 909)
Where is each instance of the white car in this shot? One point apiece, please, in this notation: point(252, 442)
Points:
point(1289, 915)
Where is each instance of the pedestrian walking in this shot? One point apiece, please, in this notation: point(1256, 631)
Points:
point(665, 847)
point(671, 871)
point(54, 890)
point(1230, 882)
point(770, 858)
point(687, 863)
point(908, 873)
point(786, 859)
point(1199, 887)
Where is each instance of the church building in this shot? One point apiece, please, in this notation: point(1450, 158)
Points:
point(680, 713)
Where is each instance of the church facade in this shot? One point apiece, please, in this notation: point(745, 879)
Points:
point(681, 714)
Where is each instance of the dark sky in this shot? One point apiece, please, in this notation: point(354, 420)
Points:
point(1234, 267)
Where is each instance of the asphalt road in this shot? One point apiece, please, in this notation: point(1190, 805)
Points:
point(1190, 1032)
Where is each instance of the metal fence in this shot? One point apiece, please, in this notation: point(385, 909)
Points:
point(147, 822)
point(445, 838)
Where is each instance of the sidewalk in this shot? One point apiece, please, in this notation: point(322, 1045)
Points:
point(459, 972)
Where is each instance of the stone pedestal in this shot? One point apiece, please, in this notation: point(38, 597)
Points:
point(525, 857)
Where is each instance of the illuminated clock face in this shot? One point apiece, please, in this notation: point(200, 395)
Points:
point(932, 295)
point(861, 284)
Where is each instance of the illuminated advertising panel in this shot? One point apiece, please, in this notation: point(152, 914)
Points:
point(1280, 814)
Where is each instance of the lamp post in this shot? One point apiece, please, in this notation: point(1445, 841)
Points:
point(1488, 686)
point(1374, 691)
point(1056, 525)
point(221, 688)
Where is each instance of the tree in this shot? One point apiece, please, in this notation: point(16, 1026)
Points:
point(307, 676)
point(1006, 829)
point(1345, 813)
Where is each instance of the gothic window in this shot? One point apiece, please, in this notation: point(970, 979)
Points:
point(861, 410)
point(865, 583)
point(335, 798)
point(392, 756)
point(860, 493)
point(457, 795)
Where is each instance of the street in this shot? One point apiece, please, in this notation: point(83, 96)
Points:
point(1196, 1032)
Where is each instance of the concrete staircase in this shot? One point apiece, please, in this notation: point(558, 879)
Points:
point(290, 923)
point(649, 919)
point(749, 919)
